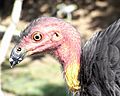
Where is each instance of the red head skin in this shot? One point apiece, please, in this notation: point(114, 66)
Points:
point(61, 38)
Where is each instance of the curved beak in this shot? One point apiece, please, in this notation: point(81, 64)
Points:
point(16, 56)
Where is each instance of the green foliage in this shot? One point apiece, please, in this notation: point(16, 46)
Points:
point(34, 80)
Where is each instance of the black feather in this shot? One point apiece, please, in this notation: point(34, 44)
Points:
point(100, 63)
point(29, 27)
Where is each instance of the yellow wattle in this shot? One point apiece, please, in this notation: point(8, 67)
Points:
point(71, 76)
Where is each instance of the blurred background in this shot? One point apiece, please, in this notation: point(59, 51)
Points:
point(42, 75)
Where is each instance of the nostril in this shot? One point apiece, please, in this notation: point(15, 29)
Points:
point(18, 49)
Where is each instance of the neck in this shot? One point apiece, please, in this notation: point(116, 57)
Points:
point(69, 55)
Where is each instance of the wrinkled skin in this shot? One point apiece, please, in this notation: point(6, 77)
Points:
point(51, 34)
point(92, 71)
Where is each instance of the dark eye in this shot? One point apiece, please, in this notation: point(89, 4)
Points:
point(36, 36)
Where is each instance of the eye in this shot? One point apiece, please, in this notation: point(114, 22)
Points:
point(36, 36)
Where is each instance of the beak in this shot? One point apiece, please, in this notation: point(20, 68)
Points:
point(16, 56)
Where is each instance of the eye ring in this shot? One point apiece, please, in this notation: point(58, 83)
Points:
point(36, 36)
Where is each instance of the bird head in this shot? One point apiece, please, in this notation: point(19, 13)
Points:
point(51, 34)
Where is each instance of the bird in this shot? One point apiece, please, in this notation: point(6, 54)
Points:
point(91, 70)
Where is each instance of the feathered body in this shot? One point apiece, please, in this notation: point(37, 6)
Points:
point(92, 71)
point(100, 62)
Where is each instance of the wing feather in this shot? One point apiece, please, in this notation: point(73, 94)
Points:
point(100, 63)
